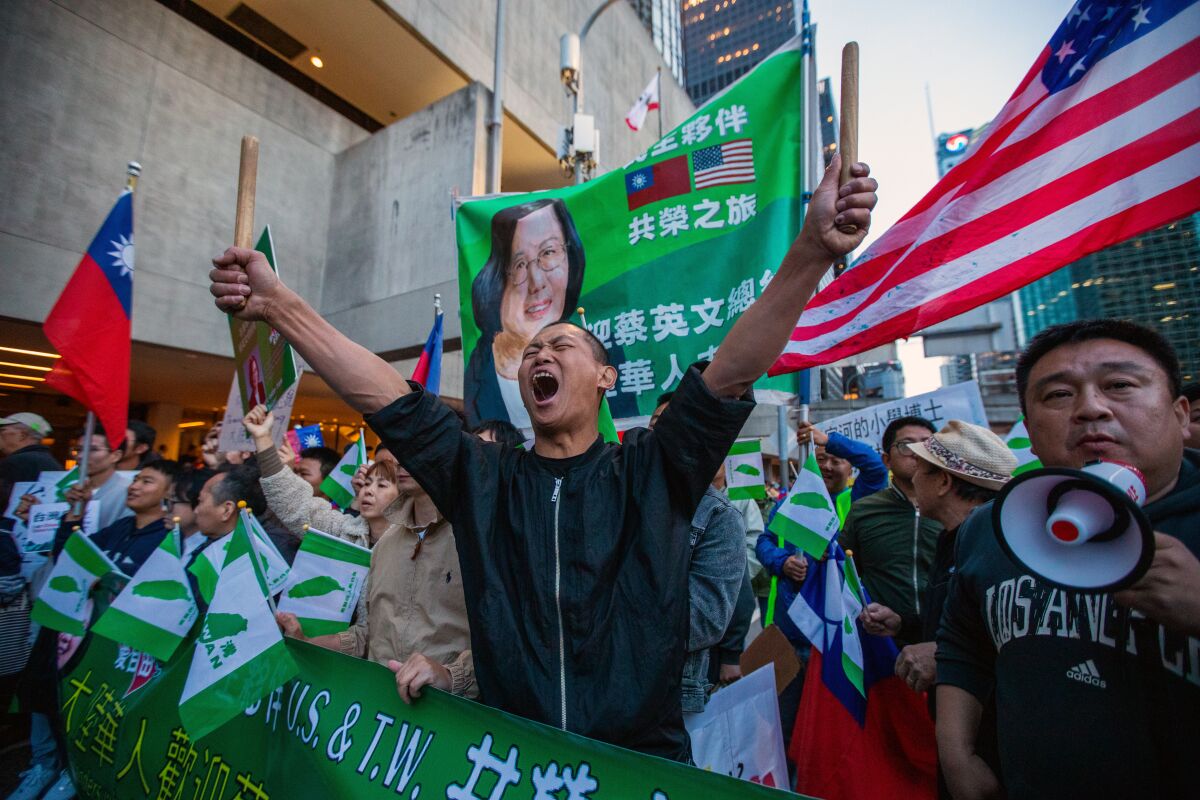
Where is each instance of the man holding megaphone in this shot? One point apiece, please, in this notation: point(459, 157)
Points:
point(1097, 691)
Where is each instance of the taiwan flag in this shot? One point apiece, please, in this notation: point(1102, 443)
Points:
point(90, 324)
point(659, 181)
point(428, 371)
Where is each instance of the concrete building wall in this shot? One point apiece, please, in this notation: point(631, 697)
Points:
point(618, 60)
point(361, 222)
point(92, 84)
point(391, 236)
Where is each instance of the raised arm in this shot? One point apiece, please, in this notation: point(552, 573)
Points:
point(245, 285)
point(760, 334)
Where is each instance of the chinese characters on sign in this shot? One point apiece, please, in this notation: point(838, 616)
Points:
point(960, 401)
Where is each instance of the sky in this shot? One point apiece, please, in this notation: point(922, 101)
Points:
point(971, 54)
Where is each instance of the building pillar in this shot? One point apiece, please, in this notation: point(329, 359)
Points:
point(164, 418)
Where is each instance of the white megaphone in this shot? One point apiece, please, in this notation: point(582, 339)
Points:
point(1077, 529)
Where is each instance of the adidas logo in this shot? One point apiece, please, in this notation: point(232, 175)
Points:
point(1087, 673)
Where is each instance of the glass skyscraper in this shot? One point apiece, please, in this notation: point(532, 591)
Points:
point(1153, 279)
point(724, 39)
point(661, 18)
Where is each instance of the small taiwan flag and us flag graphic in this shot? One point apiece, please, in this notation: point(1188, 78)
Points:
point(725, 163)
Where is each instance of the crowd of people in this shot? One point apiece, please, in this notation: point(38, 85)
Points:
point(607, 589)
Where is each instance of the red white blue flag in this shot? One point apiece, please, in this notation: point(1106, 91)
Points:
point(428, 371)
point(1099, 143)
point(89, 325)
point(730, 162)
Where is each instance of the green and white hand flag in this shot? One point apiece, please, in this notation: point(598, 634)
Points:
point(807, 517)
point(274, 566)
point(240, 655)
point(156, 610)
point(65, 601)
point(206, 567)
point(327, 578)
point(1018, 442)
point(64, 483)
point(744, 471)
point(337, 485)
point(852, 605)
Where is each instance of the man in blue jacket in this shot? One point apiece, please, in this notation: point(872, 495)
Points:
point(836, 456)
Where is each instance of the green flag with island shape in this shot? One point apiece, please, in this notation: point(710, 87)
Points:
point(64, 602)
point(807, 518)
point(155, 610)
point(665, 252)
point(239, 655)
point(1018, 442)
point(336, 485)
point(744, 471)
point(327, 578)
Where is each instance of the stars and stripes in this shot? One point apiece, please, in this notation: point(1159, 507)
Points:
point(1100, 142)
point(731, 162)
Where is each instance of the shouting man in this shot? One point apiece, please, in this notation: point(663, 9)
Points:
point(574, 555)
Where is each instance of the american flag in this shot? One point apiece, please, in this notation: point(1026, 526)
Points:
point(731, 162)
point(1099, 143)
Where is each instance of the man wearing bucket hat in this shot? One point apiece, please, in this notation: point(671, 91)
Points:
point(960, 468)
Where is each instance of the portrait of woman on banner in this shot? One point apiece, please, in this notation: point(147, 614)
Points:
point(531, 279)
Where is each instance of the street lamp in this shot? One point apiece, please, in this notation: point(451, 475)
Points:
point(578, 144)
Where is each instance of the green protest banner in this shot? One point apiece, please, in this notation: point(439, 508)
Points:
point(664, 253)
point(338, 730)
point(266, 368)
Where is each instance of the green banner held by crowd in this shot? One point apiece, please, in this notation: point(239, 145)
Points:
point(664, 253)
point(339, 730)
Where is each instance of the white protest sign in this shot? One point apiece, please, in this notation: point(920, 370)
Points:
point(234, 436)
point(44, 520)
point(19, 490)
point(961, 401)
point(739, 733)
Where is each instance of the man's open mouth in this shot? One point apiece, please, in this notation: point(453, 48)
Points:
point(545, 387)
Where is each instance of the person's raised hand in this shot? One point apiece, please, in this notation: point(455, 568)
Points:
point(834, 208)
point(879, 620)
point(244, 284)
point(359, 479)
point(795, 568)
point(1169, 592)
point(289, 625)
point(806, 431)
point(27, 501)
point(258, 422)
point(417, 672)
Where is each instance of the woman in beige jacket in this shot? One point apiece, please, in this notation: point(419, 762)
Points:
point(412, 615)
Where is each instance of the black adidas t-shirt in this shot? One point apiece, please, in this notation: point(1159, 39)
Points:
point(1092, 700)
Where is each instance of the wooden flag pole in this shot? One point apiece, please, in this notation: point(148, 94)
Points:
point(243, 225)
point(243, 220)
point(848, 139)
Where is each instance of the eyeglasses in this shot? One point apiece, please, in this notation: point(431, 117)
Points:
point(904, 446)
point(76, 450)
point(549, 258)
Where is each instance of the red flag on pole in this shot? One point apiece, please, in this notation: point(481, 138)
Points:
point(90, 324)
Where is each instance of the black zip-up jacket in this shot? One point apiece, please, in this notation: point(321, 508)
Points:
point(1092, 701)
point(575, 570)
point(126, 544)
